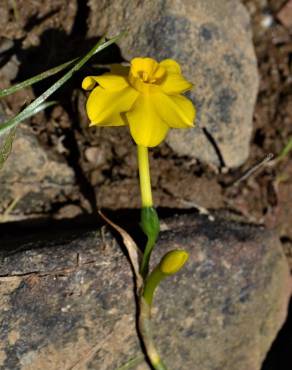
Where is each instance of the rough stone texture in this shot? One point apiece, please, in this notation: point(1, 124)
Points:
point(66, 301)
point(63, 18)
point(34, 177)
point(212, 41)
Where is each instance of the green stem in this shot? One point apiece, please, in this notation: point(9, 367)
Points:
point(146, 334)
point(169, 265)
point(150, 226)
point(149, 218)
point(146, 257)
point(151, 284)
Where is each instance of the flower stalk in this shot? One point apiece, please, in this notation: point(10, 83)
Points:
point(149, 219)
point(145, 330)
point(144, 174)
point(170, 264)
point(148, 98)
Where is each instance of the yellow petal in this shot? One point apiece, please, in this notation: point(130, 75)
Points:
point(146, 126)
point(175, 84)
point(88, 83)
point(105, 107)
point(171, 66)
point(111, 81)
point(176, 110)
point(146, 65)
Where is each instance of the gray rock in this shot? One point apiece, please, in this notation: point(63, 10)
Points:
point(10, 69)
point(66, 300)
point(34, 177)
point(212, 41)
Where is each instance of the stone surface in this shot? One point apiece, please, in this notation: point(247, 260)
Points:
point(212, 41)
point(34, 178)
point(285, 14)
point(66, 299)
point(13, 19)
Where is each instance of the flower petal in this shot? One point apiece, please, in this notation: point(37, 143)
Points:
point(176, 110)
point(88, 83)
point(146, 126)
point(171, 66)
point(175, 84)
point(146, 65)
point(104, 107)
point(111, 81)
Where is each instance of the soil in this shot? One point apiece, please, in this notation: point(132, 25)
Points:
point(104, 160)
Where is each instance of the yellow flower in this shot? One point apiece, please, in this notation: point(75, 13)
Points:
point(146, 96)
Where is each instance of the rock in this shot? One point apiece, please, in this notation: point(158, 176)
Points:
point(68, 211)
point(212, 41)
point(94, 155)
point(285, 14)
point(280, 217)
point(66, 299)
point(15, 20)
point(34, 178)
point(10, 68)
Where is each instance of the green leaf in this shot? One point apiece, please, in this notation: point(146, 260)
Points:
point(26, 112)
point(35, 79)
point(38, 109)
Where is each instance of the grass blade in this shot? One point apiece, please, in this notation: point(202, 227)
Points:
point(35, 79)
point(285, 151)
point(39, 108)
point(13, 122)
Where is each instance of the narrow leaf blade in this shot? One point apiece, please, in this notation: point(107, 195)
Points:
point(132, 248)
point(6, 126)
point(35, 79)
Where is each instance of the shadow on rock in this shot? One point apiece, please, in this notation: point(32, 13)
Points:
point(57, 47)
point(279, 356)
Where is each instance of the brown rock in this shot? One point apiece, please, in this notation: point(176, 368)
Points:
point(93, 155)
point(285, 14)
point(15, 17)
point(66, 300)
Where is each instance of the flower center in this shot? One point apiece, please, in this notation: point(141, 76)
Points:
point(145, 77)
point(145, 74)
